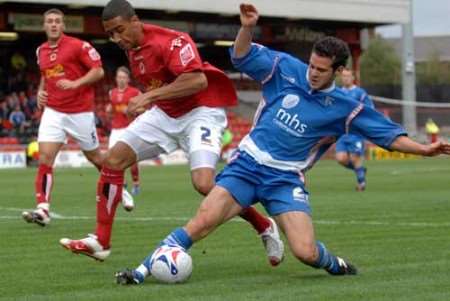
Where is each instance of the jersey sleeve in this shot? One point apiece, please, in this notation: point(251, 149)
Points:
point(374, 126)
point(89, 56)
point(366, 100)
point(259, 63)
point(181, 56)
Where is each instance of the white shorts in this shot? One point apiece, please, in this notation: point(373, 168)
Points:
point(114, 136)
point(198, 133)
point(55, 126)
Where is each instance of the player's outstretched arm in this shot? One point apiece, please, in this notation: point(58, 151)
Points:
point(249, 18)
point(407, 145)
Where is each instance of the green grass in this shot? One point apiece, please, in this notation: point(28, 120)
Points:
point(397, 233)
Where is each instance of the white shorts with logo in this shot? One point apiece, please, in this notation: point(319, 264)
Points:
point(198, 133)
point(55, 126)
point(114, 136)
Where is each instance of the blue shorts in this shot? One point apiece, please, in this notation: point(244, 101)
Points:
point(277, 190)
point(350, 144)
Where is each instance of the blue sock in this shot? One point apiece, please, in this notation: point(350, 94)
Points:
point(178, 237)
point(360, 174)
point(326, 260)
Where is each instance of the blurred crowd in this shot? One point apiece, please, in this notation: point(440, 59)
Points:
point(19, 115)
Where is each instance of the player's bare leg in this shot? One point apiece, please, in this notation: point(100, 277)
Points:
point(134, 169)
point(43, 184)
point(299, 231)
point(203, 181)
point(360, 171)
point(109, 194)
point(354, 162)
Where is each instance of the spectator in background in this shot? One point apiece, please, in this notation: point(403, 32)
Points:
point(12, 101)
point(18, 120)
point(26, 108)
point(4, 111)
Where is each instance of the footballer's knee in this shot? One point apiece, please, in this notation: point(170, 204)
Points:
point(46, 158)
point(116, 162)
point(203, 182)
point(120, 157)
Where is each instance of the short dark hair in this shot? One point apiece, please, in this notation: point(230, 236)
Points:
point(55, 11)
point(333, 48)
point(124, 70)
point(118, 8)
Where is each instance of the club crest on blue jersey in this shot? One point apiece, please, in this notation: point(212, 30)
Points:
point(289, 121)
point(290, 101)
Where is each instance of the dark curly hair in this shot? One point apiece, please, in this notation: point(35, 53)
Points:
point(118, 8)
point(333, 48)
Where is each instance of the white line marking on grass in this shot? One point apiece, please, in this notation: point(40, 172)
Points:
point(185, 219)
point(425, 169)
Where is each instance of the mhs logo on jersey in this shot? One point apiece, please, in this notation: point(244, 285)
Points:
point(56, 71)
point(286, 120)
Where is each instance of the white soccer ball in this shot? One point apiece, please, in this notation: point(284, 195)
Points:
point(171, 264)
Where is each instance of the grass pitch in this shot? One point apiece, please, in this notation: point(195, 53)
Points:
point(396, 233)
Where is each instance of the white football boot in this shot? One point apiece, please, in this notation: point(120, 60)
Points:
point(127, 200)
point(273, 244)
point(38, 216)
point(88, 246)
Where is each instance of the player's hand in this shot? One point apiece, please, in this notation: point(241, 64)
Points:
point(137, 105)
point(42, 98)
point(249, 15)
point(66, 84)
point(437, 148)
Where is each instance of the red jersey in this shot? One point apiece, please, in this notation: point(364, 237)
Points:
point(119, 102)
point(163, 56)
point(69, 59)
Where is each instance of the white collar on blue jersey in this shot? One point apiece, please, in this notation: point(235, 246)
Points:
point(327, 90)
point(350, 88)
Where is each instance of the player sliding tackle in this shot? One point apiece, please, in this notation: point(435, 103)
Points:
point(187, 98)
point(301, 115)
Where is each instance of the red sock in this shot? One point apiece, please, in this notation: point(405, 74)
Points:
point(256, 219)
point(135, 173)
point(43, 184)
point(109, 194)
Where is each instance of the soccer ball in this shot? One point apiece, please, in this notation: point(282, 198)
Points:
point(171, 264)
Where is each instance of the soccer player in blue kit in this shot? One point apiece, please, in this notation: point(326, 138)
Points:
point(350, 147)
point(299, 118)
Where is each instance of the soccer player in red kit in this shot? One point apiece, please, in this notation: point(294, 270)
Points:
point(187, 99)
point(68, 69)
point(119, 98)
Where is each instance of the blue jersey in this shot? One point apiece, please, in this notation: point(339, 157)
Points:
point(295, 125)
point(358, 94)
point(352, 143)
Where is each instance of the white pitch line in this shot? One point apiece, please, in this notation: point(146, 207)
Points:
point(185, 219)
